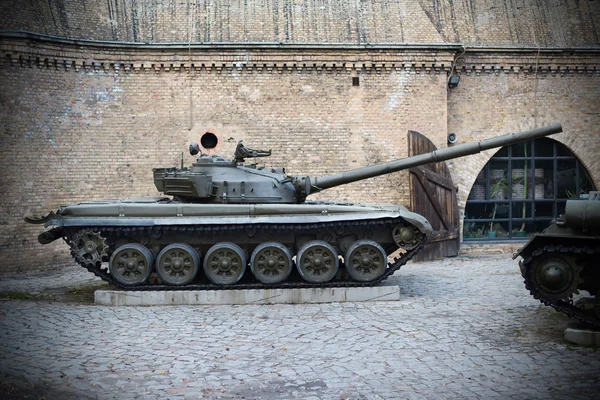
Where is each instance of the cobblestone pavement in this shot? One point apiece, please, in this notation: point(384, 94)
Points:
point(464, 328)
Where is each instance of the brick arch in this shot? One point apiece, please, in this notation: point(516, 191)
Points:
point(580, 149)
point(574, 143)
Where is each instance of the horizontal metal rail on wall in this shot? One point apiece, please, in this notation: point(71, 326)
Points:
point(296, 45)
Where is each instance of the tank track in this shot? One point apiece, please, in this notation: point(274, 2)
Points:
point(392, 267)
point(563, 306)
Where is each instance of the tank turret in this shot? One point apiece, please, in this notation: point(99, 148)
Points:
point(213, 179)
point(225, 216)
point(562, 261)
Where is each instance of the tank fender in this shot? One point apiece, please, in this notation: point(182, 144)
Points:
point(417, 220)
point(553, 237)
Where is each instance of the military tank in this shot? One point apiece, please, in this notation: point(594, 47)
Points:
point(221, 216)
point(561, 262)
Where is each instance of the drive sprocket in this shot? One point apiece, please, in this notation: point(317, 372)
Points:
point(88, 247)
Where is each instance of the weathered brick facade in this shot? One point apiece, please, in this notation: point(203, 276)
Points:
point(474, 22)
point(506, 94)
point(89, 120)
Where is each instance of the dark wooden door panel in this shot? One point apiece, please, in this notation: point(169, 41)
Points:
point(433, 195)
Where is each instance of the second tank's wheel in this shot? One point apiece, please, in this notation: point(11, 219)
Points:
point(177, 264)
point(365, 260)
point(553, 276)
point(224, 263)
point(131, 264)
point(271, 262)
point(317, 261)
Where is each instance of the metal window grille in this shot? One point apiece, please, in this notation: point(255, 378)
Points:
point(521, 189)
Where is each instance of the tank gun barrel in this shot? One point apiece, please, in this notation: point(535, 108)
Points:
point(326, 182)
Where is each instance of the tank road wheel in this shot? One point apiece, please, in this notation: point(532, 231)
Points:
point(225, 263)
point(271, 262)
point(407, 236)
point(131, 264)
point(177, 264)
point(553, 276)
point(365, 260)
point(317, 261)
point(88, 247)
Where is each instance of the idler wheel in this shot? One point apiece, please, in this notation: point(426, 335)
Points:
point(271, 262)
point(407, 236)
point(554, 276)
point(131, 264)
point(225, 263)
point(365, 260)
point(317, 261)
point(177, 264)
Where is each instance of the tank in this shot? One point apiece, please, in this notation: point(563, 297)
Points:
point(226, 223)
point(560, 264)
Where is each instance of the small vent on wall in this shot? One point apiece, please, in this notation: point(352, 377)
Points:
point(355, 81)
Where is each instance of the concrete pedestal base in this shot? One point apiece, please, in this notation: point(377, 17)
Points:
point(250, 296)
point(582, 335)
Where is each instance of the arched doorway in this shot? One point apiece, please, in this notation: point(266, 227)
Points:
point(521, 189)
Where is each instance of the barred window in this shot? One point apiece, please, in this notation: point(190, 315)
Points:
point(521, 189)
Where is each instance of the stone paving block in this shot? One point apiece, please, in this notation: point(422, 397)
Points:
point(249, 296)
point(466, 332)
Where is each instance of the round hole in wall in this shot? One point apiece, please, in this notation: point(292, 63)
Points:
point(209, 140)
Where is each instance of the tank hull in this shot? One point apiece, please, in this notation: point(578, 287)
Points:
point(158, 211)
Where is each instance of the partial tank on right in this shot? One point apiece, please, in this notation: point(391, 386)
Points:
point(561, 264)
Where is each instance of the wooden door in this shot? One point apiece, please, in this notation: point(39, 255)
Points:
point(433, 195)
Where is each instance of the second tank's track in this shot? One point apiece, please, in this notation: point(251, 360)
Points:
point(392, 267)
point(564, 306)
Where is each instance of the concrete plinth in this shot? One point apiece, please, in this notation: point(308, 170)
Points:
point(582, 335)
point(250, 296)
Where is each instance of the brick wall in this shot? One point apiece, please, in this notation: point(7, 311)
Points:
point(475, 22)
point(89, 120)
point(507, 95)
point(78, 126)
point(75, 129)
